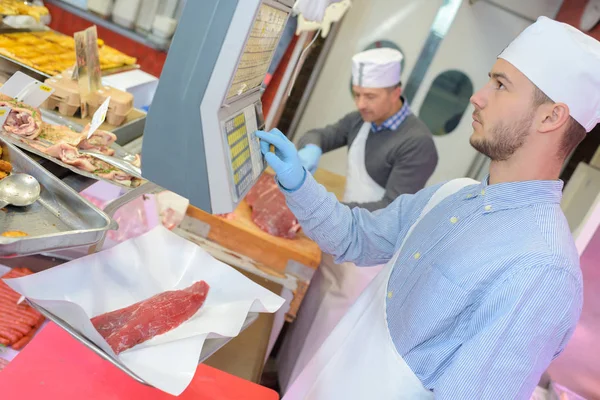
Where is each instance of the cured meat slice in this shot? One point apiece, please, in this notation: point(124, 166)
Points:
point(269, 210)
point(69, 155)
point(100, 141)
point(55, 134)
point(22, 120)
point(130, 326)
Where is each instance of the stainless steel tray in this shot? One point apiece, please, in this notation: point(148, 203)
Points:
point(60, 219)
point(119, 152)
point(210, 345)
point(126, 133)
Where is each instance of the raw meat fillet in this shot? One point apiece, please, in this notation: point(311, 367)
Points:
point(22, 120)
point(130, 326)
point(269, 210)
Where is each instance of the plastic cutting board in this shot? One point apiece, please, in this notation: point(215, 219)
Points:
point(54, 366)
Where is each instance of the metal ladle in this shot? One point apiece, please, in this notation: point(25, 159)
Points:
point(19, 190)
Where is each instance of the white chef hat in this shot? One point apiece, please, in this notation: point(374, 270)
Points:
point(377, 68)
point(562, 62)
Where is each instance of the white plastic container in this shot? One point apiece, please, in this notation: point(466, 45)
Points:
point(167, 8)
point(101, 7)
point(125, 12)
point(164, 27)
point(146, 15)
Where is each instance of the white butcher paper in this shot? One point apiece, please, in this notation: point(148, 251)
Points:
point(140, 268)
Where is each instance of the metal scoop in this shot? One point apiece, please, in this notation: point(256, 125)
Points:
point(19, 189)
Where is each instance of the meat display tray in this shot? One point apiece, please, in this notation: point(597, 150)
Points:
point(211, 345)
point(60, 219)
point(119, 153)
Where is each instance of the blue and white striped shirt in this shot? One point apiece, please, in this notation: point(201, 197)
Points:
point(393, 122)
point(487, 290)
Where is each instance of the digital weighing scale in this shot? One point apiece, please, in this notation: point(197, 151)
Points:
point(199, 139)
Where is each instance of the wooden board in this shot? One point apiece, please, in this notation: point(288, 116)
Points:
point(240, 234)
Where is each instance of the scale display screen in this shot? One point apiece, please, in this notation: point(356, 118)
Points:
point(258, 52)
point(246, 160)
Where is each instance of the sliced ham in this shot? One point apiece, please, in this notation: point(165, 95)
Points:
point(55, 134)
point(69, 155)
point(99, 141)
point(22, 120)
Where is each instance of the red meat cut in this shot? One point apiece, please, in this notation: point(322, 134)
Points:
point(130, 326)
point(269, 210)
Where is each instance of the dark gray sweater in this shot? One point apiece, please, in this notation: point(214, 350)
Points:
point(401, 161)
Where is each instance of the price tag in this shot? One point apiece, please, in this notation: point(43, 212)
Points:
point(26, 89)
point(4, 111)
point(99, 117)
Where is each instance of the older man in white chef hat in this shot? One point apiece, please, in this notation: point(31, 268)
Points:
point(391, 152)
point(482, 289)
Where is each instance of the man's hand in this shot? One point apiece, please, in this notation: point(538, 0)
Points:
point(309, 156)
point(285, 161)
point(313, 10)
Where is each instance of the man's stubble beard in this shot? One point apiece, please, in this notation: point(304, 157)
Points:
point(505, 141)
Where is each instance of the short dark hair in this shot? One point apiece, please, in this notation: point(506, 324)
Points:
point(574, 133)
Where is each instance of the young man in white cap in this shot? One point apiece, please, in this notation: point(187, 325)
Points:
point(391, 152)
point(483, 288)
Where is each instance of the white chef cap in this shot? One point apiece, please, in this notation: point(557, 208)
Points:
point(562, 62)
point(377, 68)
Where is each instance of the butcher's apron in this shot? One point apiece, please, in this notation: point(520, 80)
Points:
point(334, 287)
point(359, 360)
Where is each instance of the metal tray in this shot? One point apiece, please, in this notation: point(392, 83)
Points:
point(126, 133)
point(60, 219)
point(210, 345)
point(119, 152)
point(9, 66)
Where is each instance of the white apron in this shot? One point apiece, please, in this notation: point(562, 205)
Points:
point(358, 360)
point(360, 187)
point(334, 287)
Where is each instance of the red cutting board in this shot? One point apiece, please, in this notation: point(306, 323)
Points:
point(54, 366)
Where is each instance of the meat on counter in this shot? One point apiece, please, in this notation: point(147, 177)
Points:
point(130, 326)
point(18, 322)
point(269, 210)
point(23, 120)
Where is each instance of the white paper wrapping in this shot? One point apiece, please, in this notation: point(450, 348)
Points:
point(136, 270)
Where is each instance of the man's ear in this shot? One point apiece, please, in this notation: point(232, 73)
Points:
point(553, 116)
point(398, 91)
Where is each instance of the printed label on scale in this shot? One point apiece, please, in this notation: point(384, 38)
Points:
point(99, 117)
point(26, 89)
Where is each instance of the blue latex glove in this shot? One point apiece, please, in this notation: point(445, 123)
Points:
point(284, 161)
point(310, 155)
